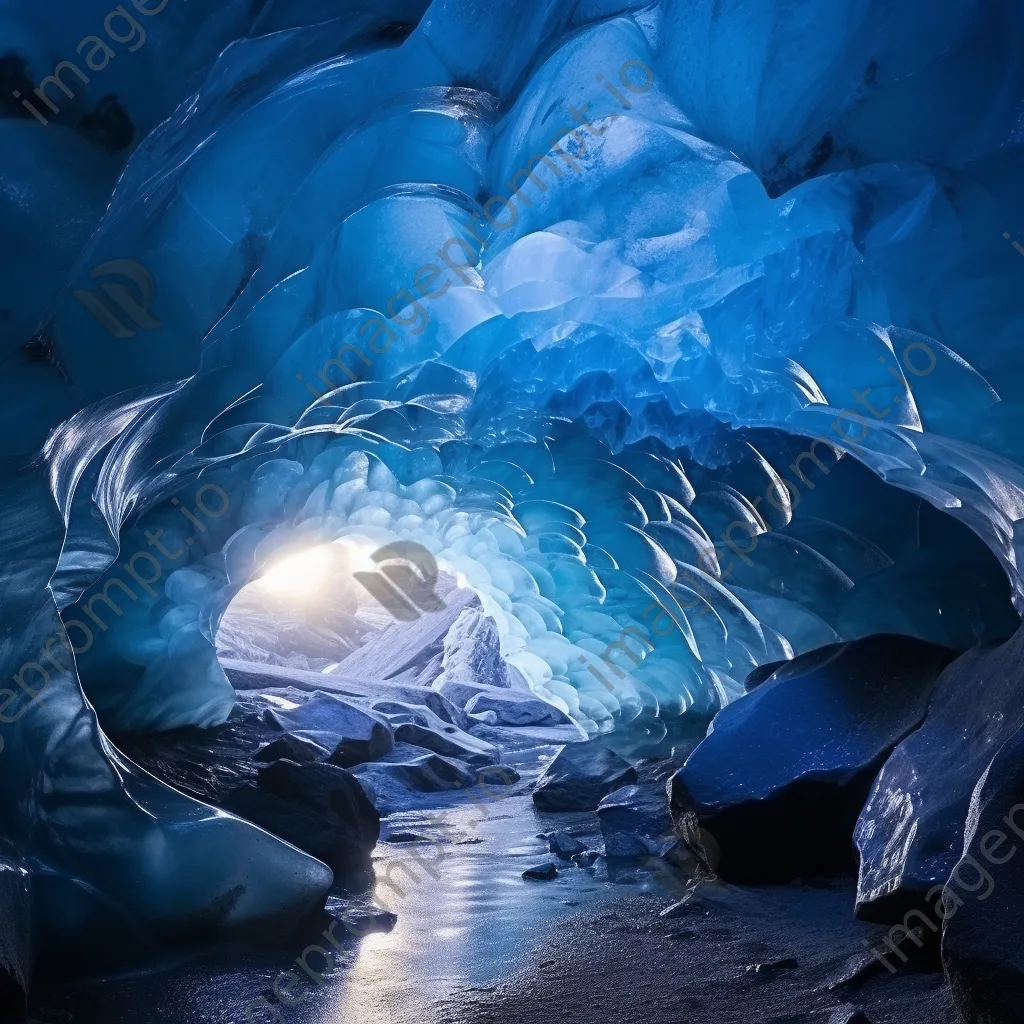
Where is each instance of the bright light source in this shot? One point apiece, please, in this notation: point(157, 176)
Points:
point(355, 551)
point(298, 574)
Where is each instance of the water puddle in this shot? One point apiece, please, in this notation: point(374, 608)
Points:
point(466, 919)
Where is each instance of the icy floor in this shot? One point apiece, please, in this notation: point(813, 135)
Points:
point(477, 944)
point(464, 924)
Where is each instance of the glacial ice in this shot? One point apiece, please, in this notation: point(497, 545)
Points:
point(729, 372)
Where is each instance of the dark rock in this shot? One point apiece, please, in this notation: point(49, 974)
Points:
point(15, 962)
point(910, 833)
point(353, 735)
point(309, 831)
point(982, 905)
point(761, 674)
point(405, 837)
point(361, 921)
point(542, 872)
point(913, 948)
point(580, 776)
point(847, 1014)
point(465, 748)
point(497, 775)
point(108, 125)
point(356, 917)
point(450, 740)
point(351, 752)
point(780, 780)
point(292, 748)
point(321, 787)
point(789, 963)
point(515, 708)
point(563, 845)
point(403, 753)
point(391, 783)
point(586, 859)
point(435, 702)
point(398, 712)
point(247, 677)
point(205, 763)
point(319, 808)
point(460, 694)
point(635, 822)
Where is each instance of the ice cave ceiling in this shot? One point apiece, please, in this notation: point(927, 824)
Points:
point(631, 313)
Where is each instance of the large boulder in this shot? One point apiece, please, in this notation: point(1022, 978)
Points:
point(579, 776)
point(982, 906)
point(464, 747)
point(411, 652)
point(910, 833)
point(352, 734)
point(14, 939)
point(246, 677)
point(635, 822)
point(320, 808)
point(756, 676)
point(781, 777)
point(397, 785)
point(460, 694)
point(209, 764)
point(418, 725)
point(399, 711)
point(423, 773)
point(291, 748)
point(472, 653)
point(512, 707)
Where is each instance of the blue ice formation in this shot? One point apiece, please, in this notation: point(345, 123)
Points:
point(685, 333)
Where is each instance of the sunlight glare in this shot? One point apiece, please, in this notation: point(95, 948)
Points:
point(302, 573)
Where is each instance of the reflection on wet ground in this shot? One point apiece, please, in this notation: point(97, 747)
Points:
point(466, 919)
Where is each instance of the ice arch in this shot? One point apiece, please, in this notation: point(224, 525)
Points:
point(622, 584)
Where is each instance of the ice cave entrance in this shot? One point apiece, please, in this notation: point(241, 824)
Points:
point(307, 610)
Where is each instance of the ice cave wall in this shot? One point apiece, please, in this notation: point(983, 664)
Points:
point(588, 297)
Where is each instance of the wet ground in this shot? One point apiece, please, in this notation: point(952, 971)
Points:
point(475, 943)
point(730, 956)
point(465, 918)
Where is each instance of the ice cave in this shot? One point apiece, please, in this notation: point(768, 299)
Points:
point(514, 509)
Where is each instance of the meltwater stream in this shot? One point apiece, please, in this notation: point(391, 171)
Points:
point(466, 921)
